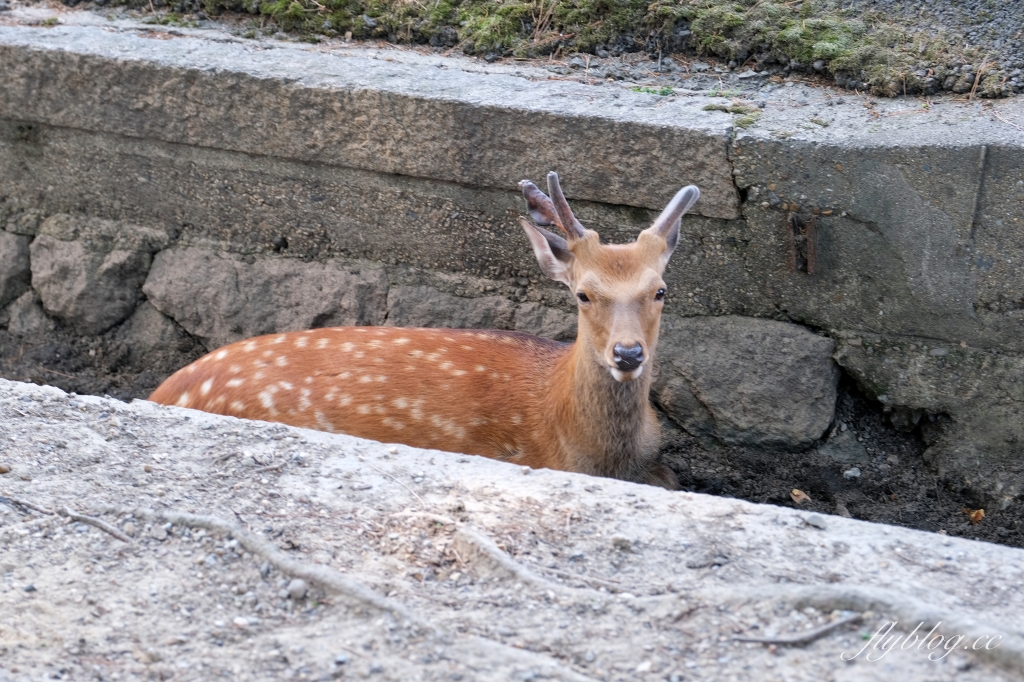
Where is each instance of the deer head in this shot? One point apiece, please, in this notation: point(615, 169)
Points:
point(618, 287)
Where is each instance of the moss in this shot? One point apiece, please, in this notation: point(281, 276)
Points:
point(748, 120)
point(859, 47)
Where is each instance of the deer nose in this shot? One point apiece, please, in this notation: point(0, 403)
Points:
point(628, 359)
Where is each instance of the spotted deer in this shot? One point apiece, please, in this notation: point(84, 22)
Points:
point(511, 396)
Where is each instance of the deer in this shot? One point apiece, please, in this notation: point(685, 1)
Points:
point(580, 407)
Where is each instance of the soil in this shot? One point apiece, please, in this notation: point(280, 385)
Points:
point(250, 551)
point(897, 487)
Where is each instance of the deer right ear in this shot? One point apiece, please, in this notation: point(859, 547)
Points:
point(551, 251)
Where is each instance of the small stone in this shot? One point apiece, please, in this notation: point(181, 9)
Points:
point(241, 623)
point(340, 659)
point(621, 543)
point(5, 469)
point(265, 569)
point(376, 668)
point(210, 561)
point(129, 529)
point(30, 588)
point(816, 521)
point(852, 473)
point(393, 450)
point(939, 352)
point(577, 62)
point(158, 533)
point(297, 589)
point(644, 667)
point(589, 657)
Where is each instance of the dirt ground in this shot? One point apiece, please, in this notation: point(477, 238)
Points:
point(247, 551)
point(896, 487)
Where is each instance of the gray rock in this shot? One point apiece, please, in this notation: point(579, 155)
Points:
point(851, 474)
point(89, 272)
point(223, 299)
point(15, 274)
point(297, 589)
point(148, 330)
point(844, 449)
point(746, 381)
point(25, 223)
point(27, 317)
point(423, 306)
point(542, 320)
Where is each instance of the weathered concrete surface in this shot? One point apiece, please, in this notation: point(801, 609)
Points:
point(361, 113)
point(746, 381)
point(489, 574)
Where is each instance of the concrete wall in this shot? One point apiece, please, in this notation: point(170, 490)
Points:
point(167, 176)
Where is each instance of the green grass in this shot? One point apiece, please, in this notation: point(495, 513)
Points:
point(664, 92)
point(866, 47)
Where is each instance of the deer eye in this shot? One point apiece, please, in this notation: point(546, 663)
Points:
point(583, 297)
point(659, 295)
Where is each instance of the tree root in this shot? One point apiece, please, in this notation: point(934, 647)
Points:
point(805, 637)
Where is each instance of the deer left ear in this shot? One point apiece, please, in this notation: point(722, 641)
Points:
point(552, 253)
point(668, 223)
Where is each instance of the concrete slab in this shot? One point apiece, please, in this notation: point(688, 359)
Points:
point(257, 551)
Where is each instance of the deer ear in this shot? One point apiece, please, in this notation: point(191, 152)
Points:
point(668, 223)
point(541, 209)
point(552, 253)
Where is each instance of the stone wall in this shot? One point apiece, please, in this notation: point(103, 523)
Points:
point(168, 193)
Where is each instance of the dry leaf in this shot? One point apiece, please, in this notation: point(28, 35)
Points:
point(974, 515)
point(799, 496)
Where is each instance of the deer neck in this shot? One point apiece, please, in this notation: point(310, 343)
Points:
point(618, 428)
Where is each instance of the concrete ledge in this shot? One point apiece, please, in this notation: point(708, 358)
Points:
point(488, 571)
point(368, 114)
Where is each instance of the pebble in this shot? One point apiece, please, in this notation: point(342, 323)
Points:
point(851, 474)
point(158, 533)
point(297, 589)
point(129, 529)
point(5, 469)
point(340, 659)
point(622, 543)
point(817, 521)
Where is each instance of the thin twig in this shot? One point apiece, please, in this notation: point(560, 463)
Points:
point(60, 374)
point(411, 491)
point(805, 637)
point(327, 578)
point(1009, 123)
point(96, 523)
point(269, 467)
point(7, 499)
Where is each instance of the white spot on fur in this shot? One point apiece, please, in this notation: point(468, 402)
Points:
point(348, 346)
point(381, 378)
point(182, 400)
point(481, 368)
point(279, 339)
point(307, 380)
point(458, 372)
point(301, 342)
point(393, 423)
point(281, 361)
point(416, 353)
point(266, 399)
point(400, 403)
point(234, 383)
point(401, 341)
point(235, 369)
point(237, 406)
point(285, 385)
point(220, 355)
point(205, 388)
point(322, 343)
point(249, 346)
point(363, 409)
point(304, 402)
point(365, 379)
point(322, 421)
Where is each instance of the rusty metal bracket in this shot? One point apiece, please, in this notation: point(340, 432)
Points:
point(802, 243)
